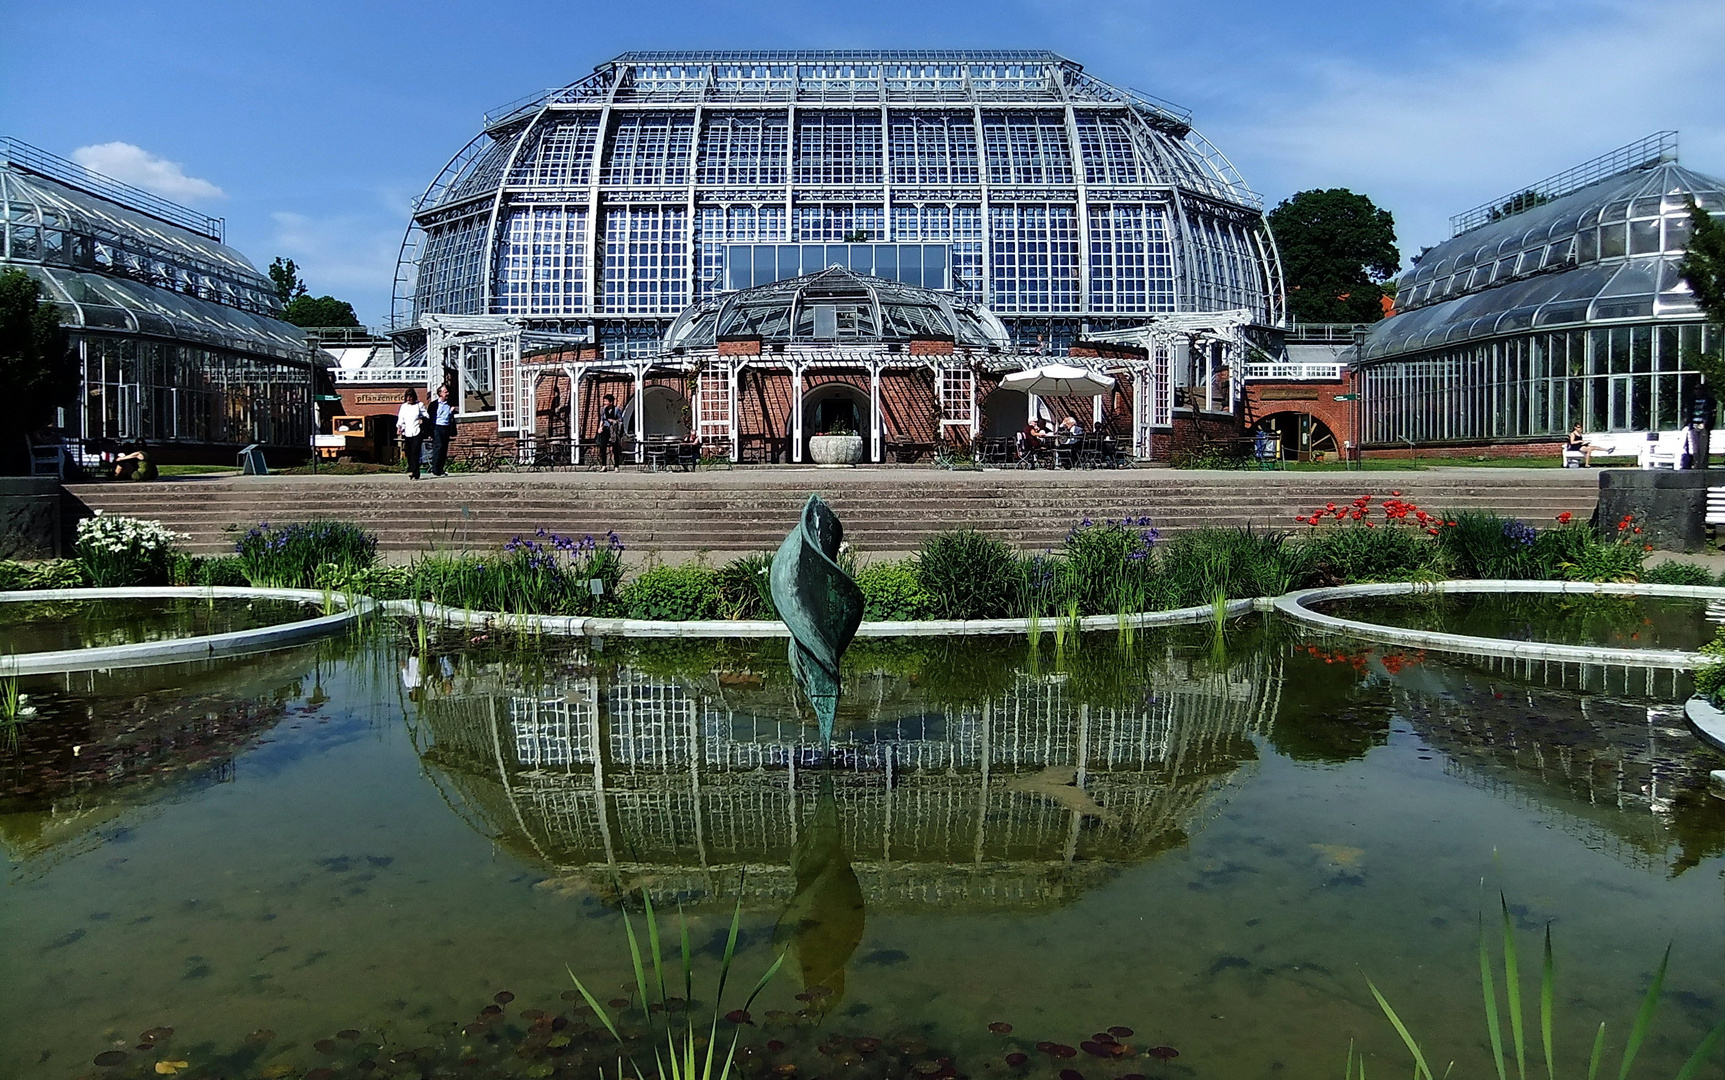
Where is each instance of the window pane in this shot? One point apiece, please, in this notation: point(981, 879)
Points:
point(1644, 236)
point(1611, 242)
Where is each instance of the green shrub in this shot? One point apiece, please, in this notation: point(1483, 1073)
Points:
point(1107, 567)
point(673, 593)
point(50, 574)
point(1481, 544)
point(1236, 563)
point(969, 576)
point(1710, 676)
point(1337, 554)
point(119, 551)
point(745, 588)
point(1677, 573)
point(893, 592)
point(217, 570)
point(542, 575)
point(288, 557)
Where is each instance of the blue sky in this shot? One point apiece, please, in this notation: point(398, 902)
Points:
point(311, 126)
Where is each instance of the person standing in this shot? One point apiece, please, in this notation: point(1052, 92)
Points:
point(442, 429)
point(410, 425)
point(610, 434)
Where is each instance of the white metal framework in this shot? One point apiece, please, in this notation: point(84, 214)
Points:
point(603, 208)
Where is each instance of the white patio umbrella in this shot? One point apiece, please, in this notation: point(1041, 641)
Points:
point(1059, 380)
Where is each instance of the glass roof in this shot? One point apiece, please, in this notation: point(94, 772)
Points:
point(836, 306)
point(53, 223)
point(1608, 251)
point(98, 302)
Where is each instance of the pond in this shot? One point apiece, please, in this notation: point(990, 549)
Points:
point(1604, 620)
point(334, 857)
point(28, 626)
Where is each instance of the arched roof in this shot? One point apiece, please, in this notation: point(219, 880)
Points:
point(1607, 251)
point(836, 306)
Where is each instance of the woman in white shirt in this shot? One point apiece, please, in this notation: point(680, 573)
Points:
point(410, 425)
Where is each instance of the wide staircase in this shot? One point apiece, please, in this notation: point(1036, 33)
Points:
point(884, 510)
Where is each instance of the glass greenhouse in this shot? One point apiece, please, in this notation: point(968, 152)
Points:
point(1063, 204)
point(1559, 305)
point(176, 332)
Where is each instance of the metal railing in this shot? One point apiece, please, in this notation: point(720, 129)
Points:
point(36, 160)
point(1657, 147)
point(1330, 372)
point(1325, 333)
point(411, 374)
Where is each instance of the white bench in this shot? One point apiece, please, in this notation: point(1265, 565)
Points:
point(1602, 447)
point(1661, 450)
point(1715, 506)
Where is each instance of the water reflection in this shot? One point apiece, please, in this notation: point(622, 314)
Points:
point(694, 781)
point(823, 923)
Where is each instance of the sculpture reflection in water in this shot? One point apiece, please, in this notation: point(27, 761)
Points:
point(823, 923)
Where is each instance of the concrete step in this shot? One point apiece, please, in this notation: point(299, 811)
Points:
point(743, 511)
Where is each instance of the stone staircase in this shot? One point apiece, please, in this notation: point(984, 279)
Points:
point(884, 510)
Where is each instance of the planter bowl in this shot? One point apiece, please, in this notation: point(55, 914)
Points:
point(835, 449)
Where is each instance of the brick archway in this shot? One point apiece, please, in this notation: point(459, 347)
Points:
point(1302, 434)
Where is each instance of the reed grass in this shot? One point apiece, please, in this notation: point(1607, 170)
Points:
point(680, 1057)
point(1511, 1002)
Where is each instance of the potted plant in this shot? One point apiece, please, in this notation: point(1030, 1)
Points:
point(837, 447)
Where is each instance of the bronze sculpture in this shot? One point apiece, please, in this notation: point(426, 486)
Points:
point(820, 604)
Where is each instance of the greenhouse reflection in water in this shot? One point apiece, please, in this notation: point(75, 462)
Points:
point(1201, 837)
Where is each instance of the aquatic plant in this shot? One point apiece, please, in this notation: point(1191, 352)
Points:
point(119, 551)
point(1108, 566)
point(288, 556)
point(1512, 1004)
point(969, 576)
point(682, 1057)
point(544, 573)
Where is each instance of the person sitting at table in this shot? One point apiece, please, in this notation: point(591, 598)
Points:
point(1071, 430)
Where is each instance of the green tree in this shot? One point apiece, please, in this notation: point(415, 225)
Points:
point(1703, 270)
point(36, 365)
point(320, 311)
point(287, 280)
point(1337, 249)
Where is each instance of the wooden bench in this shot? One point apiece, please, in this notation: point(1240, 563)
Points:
point(1715, 507)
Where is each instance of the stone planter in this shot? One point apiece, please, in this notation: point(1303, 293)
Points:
point(835, 450)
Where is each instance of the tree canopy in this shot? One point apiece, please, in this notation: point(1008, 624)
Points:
point(1703, 265)
point(36, 364)
point(302, 308)
point(320, 311)
point(1337, 249)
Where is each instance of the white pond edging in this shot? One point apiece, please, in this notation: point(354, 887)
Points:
point(577, 625)
point(1707, 720)
point(1294, 606)
point(187, 649)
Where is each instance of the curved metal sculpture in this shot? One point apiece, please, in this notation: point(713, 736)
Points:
point(820, 604)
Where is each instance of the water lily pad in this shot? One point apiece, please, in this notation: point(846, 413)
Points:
point(775, 1045)
point(110, 1057)
point(738, 1016)
point(1063, 1051)
point(1016, 1059)
point(260, 1036)
point(618, 1003)
point(866, 1045)
point(326, 1046)
point(533, 1015)
point(503, 997)
point(1103, 1037)
point(169, 1068)
point(276, 1071)
point(1096, 1049)
point(784, 1069)
point(1163, 1053)
point(926, 1068)
point(1120, 1032)
point(1000, 1028)
point(491, 1010)
point(156, 1034)
point(1071, 1074)
point(350, 1034)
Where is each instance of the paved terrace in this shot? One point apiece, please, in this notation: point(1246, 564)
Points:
point(886, 510)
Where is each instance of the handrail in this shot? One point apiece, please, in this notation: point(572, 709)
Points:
point(53, 167)
point(1657, 147)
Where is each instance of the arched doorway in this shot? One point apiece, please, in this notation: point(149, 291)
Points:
point(664, 414)
point(1004, 413)
point(836, 407)
point(1304, 437)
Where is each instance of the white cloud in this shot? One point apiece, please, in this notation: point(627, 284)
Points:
point(1434, 139)
point(134, 165)
point(351, 257)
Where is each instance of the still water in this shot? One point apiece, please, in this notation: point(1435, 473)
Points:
point(42, 625)
point(1616, 622)
point(1211, 842)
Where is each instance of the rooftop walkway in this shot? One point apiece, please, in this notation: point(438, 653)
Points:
point(885, 510)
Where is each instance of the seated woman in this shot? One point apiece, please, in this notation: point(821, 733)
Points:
point(1577, 444)
point(135, 465)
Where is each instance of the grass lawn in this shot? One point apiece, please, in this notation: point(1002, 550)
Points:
point(193, 470)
